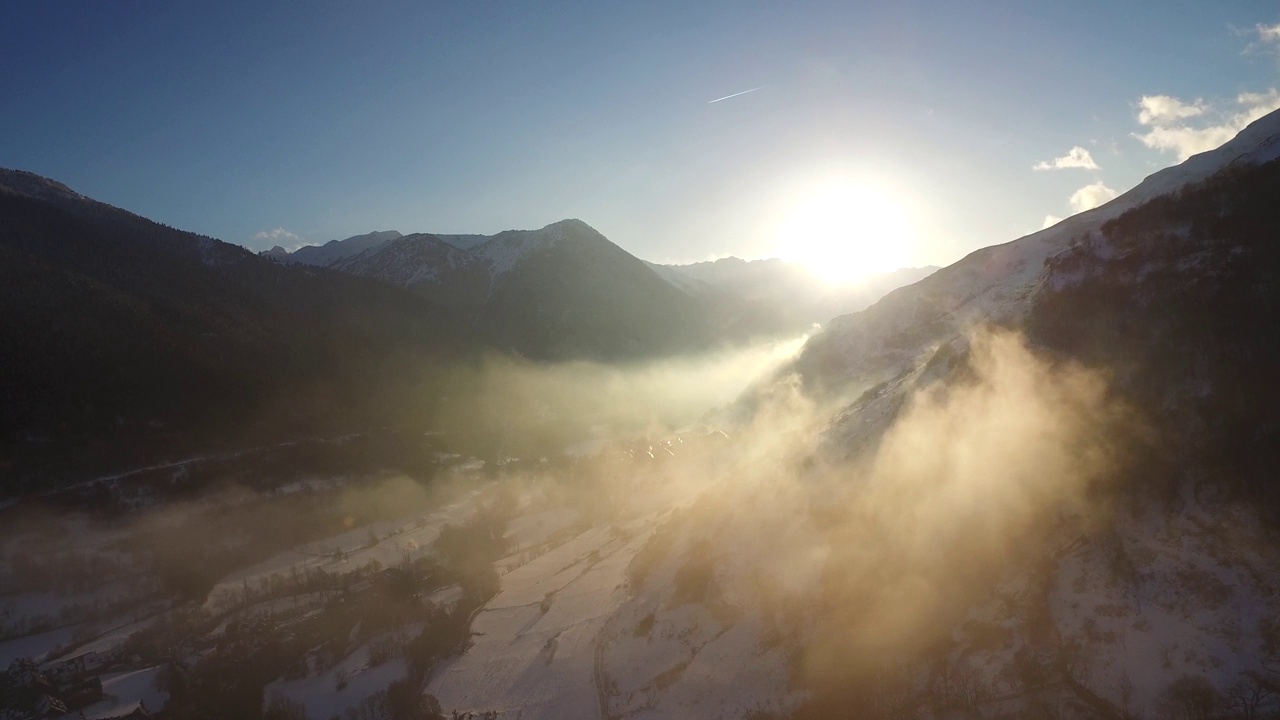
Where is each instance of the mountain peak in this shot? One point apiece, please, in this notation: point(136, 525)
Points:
point(336, 250)
point(995, 282)
point(573, 224)
point(22, 182)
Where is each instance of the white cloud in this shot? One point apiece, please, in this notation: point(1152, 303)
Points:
point(1050, 221)
point(1076, 157)
point(1263, 39)
point(1091, 196)
point(279, 236)
point(1163, 109)
point(1169, 130)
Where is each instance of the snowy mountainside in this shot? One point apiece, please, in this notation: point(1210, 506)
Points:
point(500, 252)
point(1163, 589)
point(427, 265)
point(21, 182)
point(464, 242)
point(507, 250)
point(997, 283)
point(562, 291)
point(334, 250)
point(407, 260)
point(532, 289)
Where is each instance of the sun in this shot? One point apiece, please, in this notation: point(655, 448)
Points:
point(846, 230)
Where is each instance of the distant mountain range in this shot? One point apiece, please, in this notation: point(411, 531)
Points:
point(566, 291)
point(128, 340)
point(557, 293)
point(124, 341)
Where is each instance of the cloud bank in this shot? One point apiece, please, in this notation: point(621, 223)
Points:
point(279, 236)
point(1187, 128)
point(1091, 196)
point(1076, 157)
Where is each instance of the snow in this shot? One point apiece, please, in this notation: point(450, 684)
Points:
point(994, 284)
point(506, 250)
point(322, 697)
point(320, 693)
point(446, 597)
point(33, 185)
point(534, 528)
point(110, 640)
point(37, 646)
point(1193, 606)
point(534, 652)
point(335, 250)
point(408, 261)
point(345, 552)
point(124, 690)
point(271, 608)
point(464, 242)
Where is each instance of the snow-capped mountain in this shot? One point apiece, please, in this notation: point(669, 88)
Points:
point(500, 253)
point(427, 265)
point(570, 276)
point(931, 524)
point(558, 292)
point(334, 250)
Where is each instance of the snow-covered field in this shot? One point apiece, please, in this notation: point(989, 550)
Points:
point(535, 648)
point(658, 609)
point(124, 690)
point(348, 683)
point(1167, 596)
point(386, 542)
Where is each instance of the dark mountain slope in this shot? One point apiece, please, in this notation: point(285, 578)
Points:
point(124, 339)
point(573, 293)
point(428, 266)
point(560, 292)
point(1180, 299)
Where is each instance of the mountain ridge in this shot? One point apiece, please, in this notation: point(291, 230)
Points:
point(987, 284)
point(125, 339)
point(745, 298)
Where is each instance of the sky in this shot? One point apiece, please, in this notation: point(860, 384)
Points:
point(295, 123)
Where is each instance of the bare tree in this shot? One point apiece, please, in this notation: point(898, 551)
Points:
point(1251, 698)
point(1190, 697)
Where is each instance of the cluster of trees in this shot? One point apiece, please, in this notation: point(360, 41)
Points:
point(1177, 298)
point(229, 682)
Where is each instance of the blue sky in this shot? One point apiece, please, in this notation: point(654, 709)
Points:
point(260, 123)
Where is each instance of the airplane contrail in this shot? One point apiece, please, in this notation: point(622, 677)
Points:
point(744, 92)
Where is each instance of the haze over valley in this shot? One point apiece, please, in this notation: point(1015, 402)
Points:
point(765, 407)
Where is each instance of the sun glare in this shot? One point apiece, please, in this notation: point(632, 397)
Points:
point(845, 231)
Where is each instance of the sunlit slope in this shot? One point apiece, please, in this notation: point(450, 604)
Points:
point(1112, 534)
point(994, 284)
